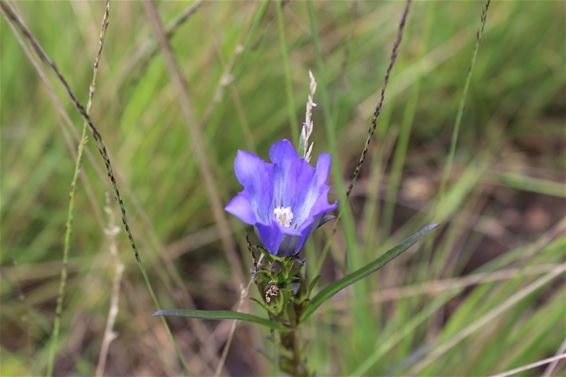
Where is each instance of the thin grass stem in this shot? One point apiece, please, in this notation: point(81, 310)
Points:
point(288, 79)
point(71, 206)
point(512, 372)
point(109, 334)
point(371, 130)
point(377, 111)
point(552, 366)
point(197, 143)
point(486, 318)
point(460, 112)
point(403, 142)
point(36, 46)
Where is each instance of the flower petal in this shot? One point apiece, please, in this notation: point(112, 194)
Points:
point(322, 168)
point(291, 174)
point(270, 236)
point(289, 246)
point(246, 166)
point(282, 151)
point(279, 240)
point(321, 206)
point(304, 234)
point(256, 176)
point(241, 207)
point(315, 196)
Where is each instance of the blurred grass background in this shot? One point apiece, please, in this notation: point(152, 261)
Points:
point(484, 296)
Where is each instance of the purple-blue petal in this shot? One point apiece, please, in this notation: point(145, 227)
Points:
point(270, 236)
point(292, 175)
point(282, 151)
point(322, 168)
point(241, 207)
point(315, 194)
point(290, 245)
point(321, 206)
point(278, 240)
point(256, 176)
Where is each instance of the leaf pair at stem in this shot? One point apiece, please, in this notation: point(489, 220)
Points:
point(314, 303)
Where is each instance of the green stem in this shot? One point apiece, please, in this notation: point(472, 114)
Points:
point(288, 79)
point(290, 359)
point(71, 208)
point(458, 121)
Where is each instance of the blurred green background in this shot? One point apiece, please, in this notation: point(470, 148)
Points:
point(483, 295)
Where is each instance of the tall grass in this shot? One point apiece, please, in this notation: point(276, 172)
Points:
point(485, 298)
point(71, 208)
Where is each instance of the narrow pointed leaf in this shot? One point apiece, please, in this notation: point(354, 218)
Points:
point(220, 315)
point(361, 273)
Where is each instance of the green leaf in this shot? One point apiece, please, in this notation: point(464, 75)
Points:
point(264, 306)
point(361, 273)
point(220, 315)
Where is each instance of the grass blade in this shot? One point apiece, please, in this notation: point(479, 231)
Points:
point(220, 315)
point(461, 104)
point(12, 17)
point(288, 78)
point(361, 273)
point(53, 348)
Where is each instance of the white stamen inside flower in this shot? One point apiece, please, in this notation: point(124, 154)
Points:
point(283, 216)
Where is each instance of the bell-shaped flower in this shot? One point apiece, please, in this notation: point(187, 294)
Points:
point(285, 199)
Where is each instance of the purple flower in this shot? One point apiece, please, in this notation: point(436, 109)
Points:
point(284, 200)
